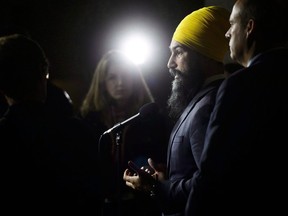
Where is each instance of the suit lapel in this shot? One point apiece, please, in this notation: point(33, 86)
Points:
point(185, 114)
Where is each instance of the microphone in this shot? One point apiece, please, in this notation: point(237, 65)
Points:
point(145, 111)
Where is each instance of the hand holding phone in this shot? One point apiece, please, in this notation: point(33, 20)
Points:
point(141, 172)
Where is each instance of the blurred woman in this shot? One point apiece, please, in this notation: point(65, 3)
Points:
point(117, 92)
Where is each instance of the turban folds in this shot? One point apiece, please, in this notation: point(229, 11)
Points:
point(204, 31)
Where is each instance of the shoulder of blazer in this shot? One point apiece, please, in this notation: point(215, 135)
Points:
point(213, 86)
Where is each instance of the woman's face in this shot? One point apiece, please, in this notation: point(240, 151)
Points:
point(119, 82)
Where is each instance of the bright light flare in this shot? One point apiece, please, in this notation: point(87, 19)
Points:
point(137, 48)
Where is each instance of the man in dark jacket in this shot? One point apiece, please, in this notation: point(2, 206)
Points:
point(48, 161)
point(198, 47)
point(244, 162)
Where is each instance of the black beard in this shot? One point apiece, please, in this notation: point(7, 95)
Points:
point(183, 90)
point(178, 99)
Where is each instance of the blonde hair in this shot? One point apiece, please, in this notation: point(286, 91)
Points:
point(97, 98)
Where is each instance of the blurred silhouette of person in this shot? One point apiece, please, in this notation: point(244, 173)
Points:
point(58, 101)
point(117, 92)
point(3, 105)
point(4, 31)
point(48, 161)
point(9, 29)
point(244, 162)
point(198, 47)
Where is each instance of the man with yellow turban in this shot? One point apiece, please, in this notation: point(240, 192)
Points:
point(198, 47)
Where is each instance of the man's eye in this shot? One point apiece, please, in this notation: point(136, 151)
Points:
point(178, 53)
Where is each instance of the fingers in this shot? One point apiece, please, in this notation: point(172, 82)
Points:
point(126, 173)
point(147, 170)
point(152, 164)
point(129, 176)
point(129, 184)
point(131, 180)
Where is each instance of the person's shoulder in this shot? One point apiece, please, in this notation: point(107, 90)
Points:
point(93, 116)
point(72, 122)
point(3, 121)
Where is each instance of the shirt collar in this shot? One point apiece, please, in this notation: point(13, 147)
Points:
point(213, 78)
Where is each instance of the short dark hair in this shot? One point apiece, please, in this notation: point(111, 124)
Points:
point(22, 63)
point(270, 17)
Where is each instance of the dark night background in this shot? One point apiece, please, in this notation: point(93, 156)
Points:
point(75, 33)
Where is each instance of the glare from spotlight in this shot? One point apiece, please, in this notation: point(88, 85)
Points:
point(136, 48)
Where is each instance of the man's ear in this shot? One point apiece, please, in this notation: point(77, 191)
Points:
point(250, 33)
point(250, 28)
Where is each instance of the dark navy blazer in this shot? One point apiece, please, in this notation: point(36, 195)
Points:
point(244, 164)
point(185, 148)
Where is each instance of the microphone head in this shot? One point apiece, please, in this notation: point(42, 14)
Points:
point(148, 109)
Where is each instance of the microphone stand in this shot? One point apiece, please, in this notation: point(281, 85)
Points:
point(118, 142)
point(144, 112)
point(118, 159)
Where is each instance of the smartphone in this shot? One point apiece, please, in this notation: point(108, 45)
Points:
point(140, 171)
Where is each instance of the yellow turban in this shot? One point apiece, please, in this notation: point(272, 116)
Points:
point(204, 31)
